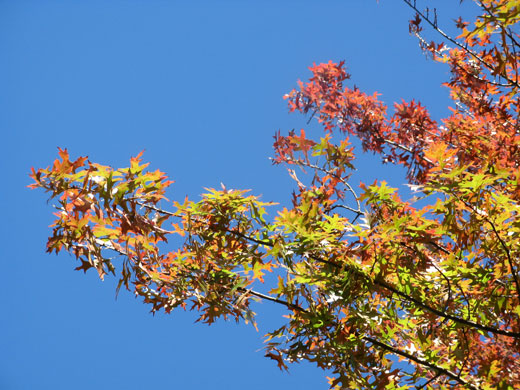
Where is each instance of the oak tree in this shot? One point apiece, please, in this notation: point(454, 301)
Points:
point(382, 292)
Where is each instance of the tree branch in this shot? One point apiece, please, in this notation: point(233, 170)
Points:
point(422, 362)
point(439, 370)
point(458, 320)
point(345, 183)
point(385, 285)
point(455, 42)
point(155, 208)
point(502, 244)
point(509, 259)
point(506, 30)
point(272, 299)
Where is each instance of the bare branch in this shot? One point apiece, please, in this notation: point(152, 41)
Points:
point(345, 183)
point(455, 42)
point(272, 299)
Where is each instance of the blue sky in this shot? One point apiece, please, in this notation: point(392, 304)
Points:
point(198, 85)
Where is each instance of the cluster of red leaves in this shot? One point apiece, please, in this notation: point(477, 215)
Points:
point(410, 136)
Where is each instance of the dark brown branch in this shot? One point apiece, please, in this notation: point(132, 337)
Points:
point(509, 259)
point(345, 183)
point(422, 362)
point(155, 208)
point(429, 381)
point(406, 149)
point(272, 299)
point(373, 341)
point(502, 244)
point(388, 287)
point(242, 235)
point(385, 285)
point(458, 320)
point(448, 299)
point(342, 206)
point(447, 252)
point(506, 30)
point(495, 83)
point(455, 42)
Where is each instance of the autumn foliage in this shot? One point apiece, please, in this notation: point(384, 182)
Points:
point(382, 292)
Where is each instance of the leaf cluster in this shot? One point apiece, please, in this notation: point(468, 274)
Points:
point(368, 280)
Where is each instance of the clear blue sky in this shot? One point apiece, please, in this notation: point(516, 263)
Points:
point(198, 85)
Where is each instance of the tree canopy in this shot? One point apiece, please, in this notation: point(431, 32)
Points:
point(381, 292)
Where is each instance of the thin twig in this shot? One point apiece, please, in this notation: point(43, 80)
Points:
point(349, 187)
point(455, 42)
point(449, 298)
point(272, 299)
point(502, 244)
point(506, 30)
point(155, 208)
point(430, 381)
